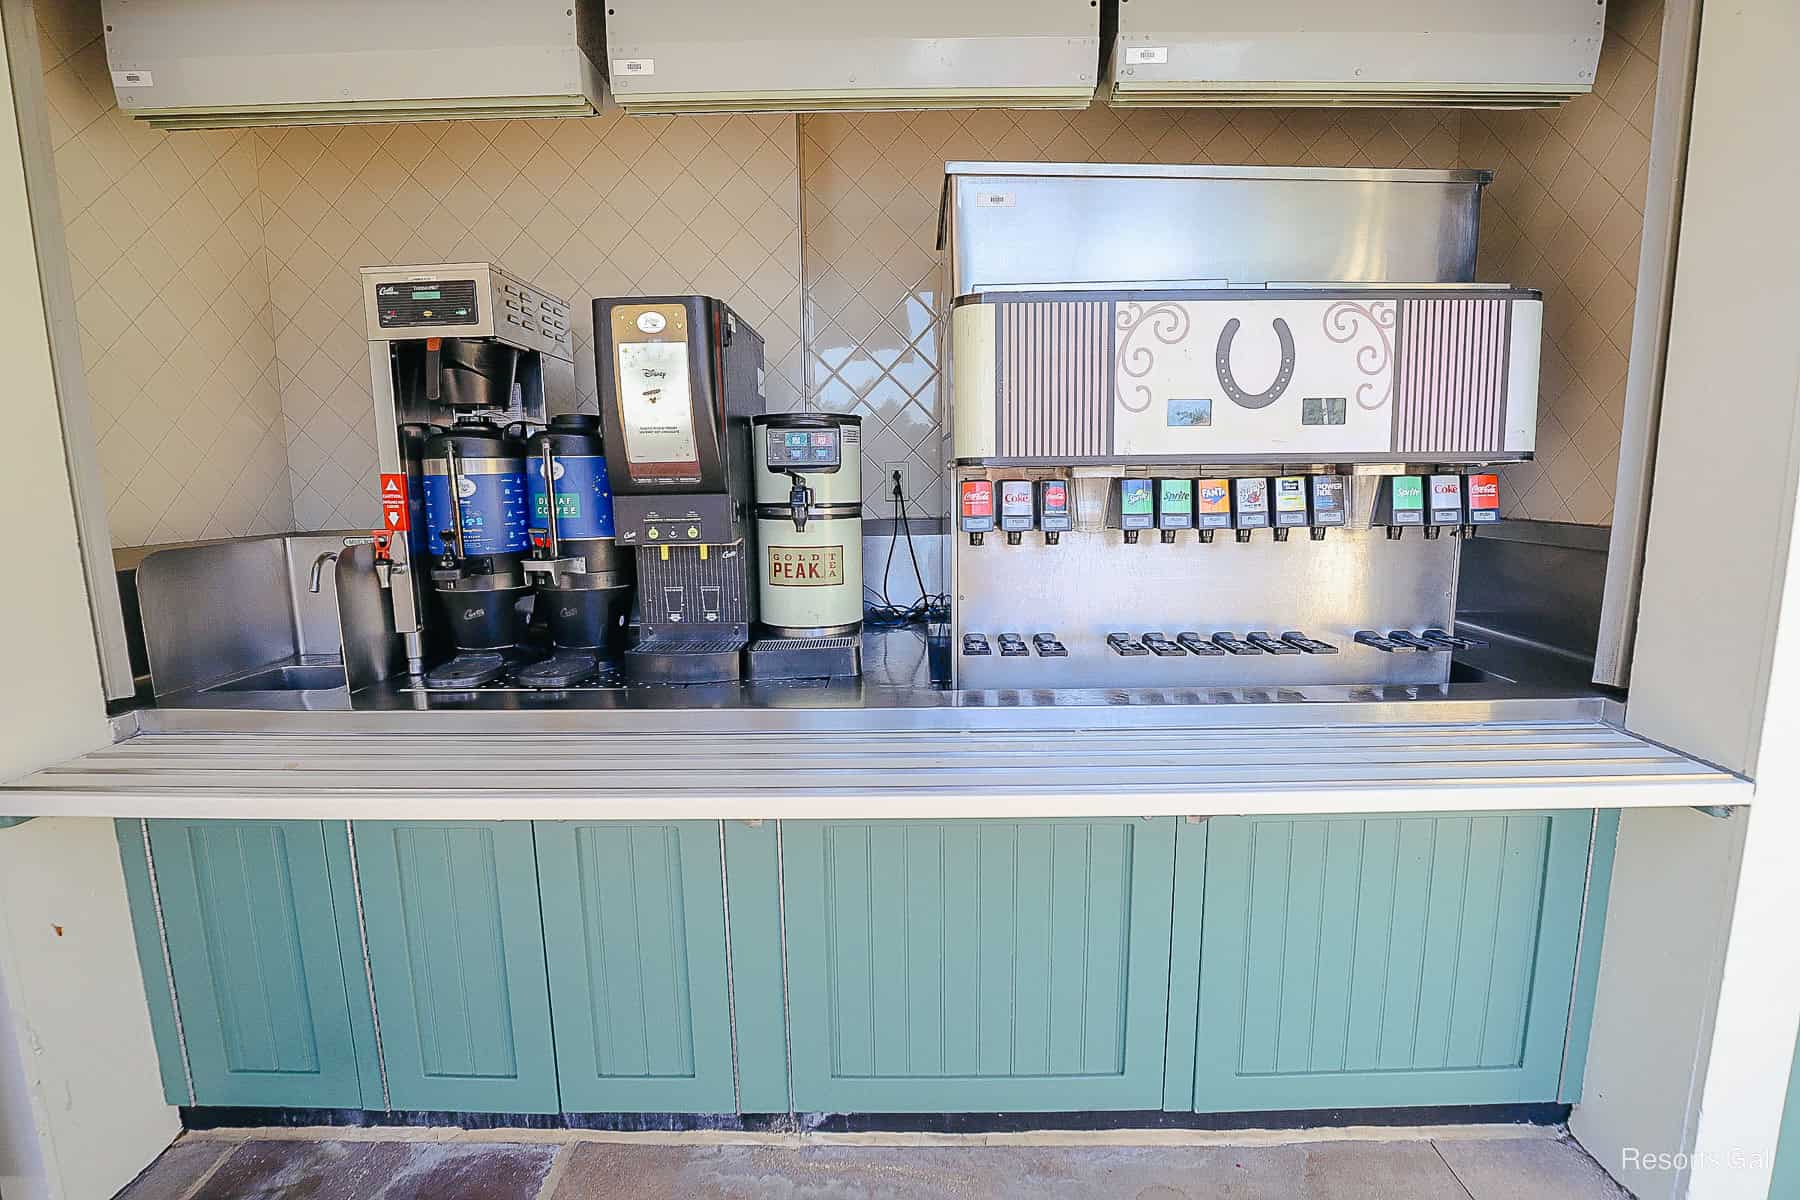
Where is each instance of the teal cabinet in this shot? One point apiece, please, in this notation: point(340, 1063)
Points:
point(266, 1006)
point(978, 965)
point(456, 949)
point(634, 929)
point(1397, 960)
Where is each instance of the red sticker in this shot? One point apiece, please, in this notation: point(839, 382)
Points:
point(977, 498)
point(1484, 491)
point(395, 513)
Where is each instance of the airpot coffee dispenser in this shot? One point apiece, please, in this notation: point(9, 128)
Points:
point(464, 361)
point(583, 583)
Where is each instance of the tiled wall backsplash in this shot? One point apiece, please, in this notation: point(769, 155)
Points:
point(874, 304)
point(221, 314)
point(1565, 214)
point(172, 293)
point(605, 206)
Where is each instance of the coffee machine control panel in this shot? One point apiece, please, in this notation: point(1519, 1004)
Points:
point(804, 449)
point(464, 300)
point(425, 303)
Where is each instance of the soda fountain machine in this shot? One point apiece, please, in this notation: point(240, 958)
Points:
point(1221, 427)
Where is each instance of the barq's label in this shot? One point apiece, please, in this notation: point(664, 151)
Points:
point(806, 566)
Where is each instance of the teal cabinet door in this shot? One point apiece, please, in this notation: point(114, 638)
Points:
point(634, 927)
point(1362, 961)
point(978, 965)
point(456, 948)
point(265, 1005)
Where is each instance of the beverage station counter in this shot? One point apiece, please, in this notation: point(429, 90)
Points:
point(584, 786)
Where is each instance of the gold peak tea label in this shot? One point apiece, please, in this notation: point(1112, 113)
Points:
point(806, 566)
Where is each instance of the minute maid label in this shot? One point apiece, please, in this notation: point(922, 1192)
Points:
point(584, 507)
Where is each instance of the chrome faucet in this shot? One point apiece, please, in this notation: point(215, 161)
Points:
point(319, 566)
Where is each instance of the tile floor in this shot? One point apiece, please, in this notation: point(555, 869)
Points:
point(452, 1165)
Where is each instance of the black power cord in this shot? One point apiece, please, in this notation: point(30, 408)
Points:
point(880, 611)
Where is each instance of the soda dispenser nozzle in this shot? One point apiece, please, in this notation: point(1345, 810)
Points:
point(800, 499)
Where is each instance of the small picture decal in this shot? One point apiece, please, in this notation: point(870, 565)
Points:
point(1323, 410)
point(1187, 414)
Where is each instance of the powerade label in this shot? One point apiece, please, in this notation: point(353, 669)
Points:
point(1137, 503)
point(584, 507)
point(1408, 492)
point(1214, 496)
point(1446, 500)
point(493, 513)
point(1484, 499)
point(1174, 504)
point(1290, 500)
point(977, 506)
point(1053, 506)
point(1252, 503)
point(1015, 505)
point(1328, 500)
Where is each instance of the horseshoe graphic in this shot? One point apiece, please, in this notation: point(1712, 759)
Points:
point(1268, 396)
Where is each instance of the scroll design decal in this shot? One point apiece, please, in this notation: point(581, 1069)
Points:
point(1168, 323)
point(1283, 377)
point(1345, 322)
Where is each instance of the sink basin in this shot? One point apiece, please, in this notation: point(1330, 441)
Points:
point(294, 677)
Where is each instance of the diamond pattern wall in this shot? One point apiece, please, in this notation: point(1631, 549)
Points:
point(604, 206)
point(874, 308)
point(1566, 214)
point(172, 295)
point(222, 325)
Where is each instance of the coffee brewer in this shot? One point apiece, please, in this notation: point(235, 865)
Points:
point(464, 359)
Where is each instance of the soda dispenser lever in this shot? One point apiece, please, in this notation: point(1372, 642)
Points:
point(1135, 500)
point(1408, 638)
point(1451, 641)
point(1126, 645)
point(1271, 645)
point(1174, 507)
point(1054, 515)
point(1162, 647)
point(1307, 645)
point(1400, 503)
point(1446, 505)
point(1482, 501)
point(1249, 506)
point(1330, 504)
point(975, 509)
point(1017, 509)
point(1212, 507)
point(1234, 645)
point(1368, 637)
point(1290, 505)
point(1193, 643)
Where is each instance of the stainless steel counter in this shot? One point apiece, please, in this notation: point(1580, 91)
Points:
point(895, 692)
point(884, 746)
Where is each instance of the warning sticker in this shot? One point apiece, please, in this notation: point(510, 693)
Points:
point(395, 515)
